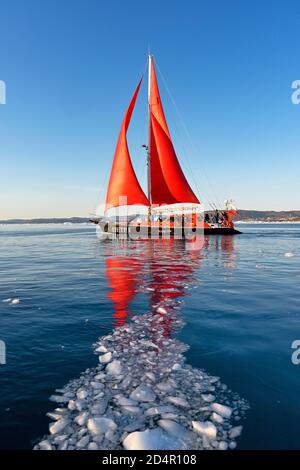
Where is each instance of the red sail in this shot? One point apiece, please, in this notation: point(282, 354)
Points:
point(123, 182)
point(168, 183)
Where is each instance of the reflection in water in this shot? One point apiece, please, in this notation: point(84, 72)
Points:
point(122, 273)
point(162, 268)
point(142, 395)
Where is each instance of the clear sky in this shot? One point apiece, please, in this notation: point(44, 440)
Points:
point(70, 68)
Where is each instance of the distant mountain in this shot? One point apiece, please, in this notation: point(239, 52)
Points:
point(243, 216)
point(72, 220)
point(268, 216)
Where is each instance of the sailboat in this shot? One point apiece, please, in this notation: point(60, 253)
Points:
point(173, 209)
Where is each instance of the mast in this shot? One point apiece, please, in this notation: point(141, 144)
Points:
point(149, 137)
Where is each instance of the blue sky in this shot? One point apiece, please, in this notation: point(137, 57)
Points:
point(70, 67)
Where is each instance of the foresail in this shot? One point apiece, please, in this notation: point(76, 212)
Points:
point(124, 187)
point(168, 182)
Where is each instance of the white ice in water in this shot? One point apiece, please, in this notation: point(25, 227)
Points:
point(142, 395)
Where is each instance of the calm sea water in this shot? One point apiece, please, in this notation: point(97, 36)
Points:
point(239, 297)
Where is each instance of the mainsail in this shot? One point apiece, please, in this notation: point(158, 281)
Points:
point(166, 181)
point(123, 187)
point(168, 185)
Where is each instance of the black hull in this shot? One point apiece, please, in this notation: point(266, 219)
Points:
point(118, 230)
point(221, 231)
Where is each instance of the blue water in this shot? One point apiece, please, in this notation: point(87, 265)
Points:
point(239, 298)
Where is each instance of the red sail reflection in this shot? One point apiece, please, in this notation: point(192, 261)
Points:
point(122, 274)
point(164, 269)
point(170, 281)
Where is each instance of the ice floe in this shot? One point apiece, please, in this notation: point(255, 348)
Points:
point(143, 395)
point(206, 428)
point(11, 301)
point(151, 439)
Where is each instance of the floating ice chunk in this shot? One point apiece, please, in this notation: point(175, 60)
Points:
point(58, 426)
point(288, 255)
point(132, 410)
point(60, 438)
point(178, 401)
point(114, 367)
point(139, 390)
point(161, 310)
point(82, 394)
point(101, 349)
point(235, 432)
point(213, 380)
point(135, 425)
point(222, 410)
point(223, 445)
point(97, 385)
point(174, 429)
point(126, 382)
point(100, 376)
point(165, 386)
point(72, 405)
point(45, 445)
point(80, 404)
point(157, 410)
point(15, 302)
point(151, 439)
point(123, 401)
point(143, 393)
point(172, 416)
point(105, 358)
point(100, 425)
point(108, 338)
point(217, 418)
point(83, 442)
point(150, 376)
point(82, 418)
point(63, 445)
point(54, 416)
point(93, 446)
point(232, 445)
point(99, 408)
point(206, 428)
point(208, 398)
point(59, 398)
point(7, 301)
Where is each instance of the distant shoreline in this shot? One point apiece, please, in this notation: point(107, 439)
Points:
point(244, 217)
point(267, 222)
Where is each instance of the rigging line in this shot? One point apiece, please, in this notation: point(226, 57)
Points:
point(186, 131)
point(204, 175)
point(206, 198)
point(187, 161)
